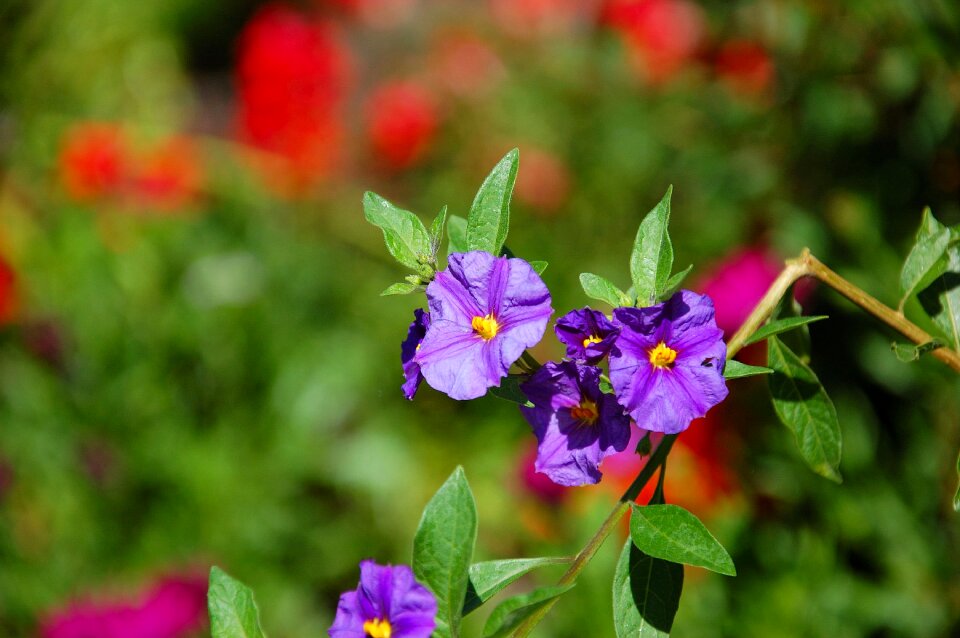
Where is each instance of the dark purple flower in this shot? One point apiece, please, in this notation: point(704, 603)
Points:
point(409, 347)
point(588, 334)
point(576, 424)
point(666, 366)
point(388, 603)
point(484, 312)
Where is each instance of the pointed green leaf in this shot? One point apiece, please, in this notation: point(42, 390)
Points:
point(803, 406)
point(601, 289)
point(510, 613)
point(457, 234)
point(927, 259)
point(797, 340)
point(489, 578)
point(538, 266)
point(646, 594)
point(674, 534)
point(404, 233)
point(736, 370)
point(436, 231)
point(399, 288)
point(233, 611)
point(652, 256)
point(443, 547)
point(941, 299)
point(673, 284)
point(509, 390)
point(489, 218)
point(778, 326)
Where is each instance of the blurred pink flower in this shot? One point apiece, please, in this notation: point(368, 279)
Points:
point(737, 283)
point(174, 608)
point(662, 36)
point(535, 483)
point(402, 121)
point(544, 182)
point(465, 64)
point(745, 67)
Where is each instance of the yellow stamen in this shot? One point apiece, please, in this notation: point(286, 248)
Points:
point(377, 628)
point(586, 412)
point(486, 327)
point(663, 356)
point(591, 339)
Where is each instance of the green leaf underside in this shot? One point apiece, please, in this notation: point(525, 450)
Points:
point(779, 326)
point(908, 352)
point(509, 390)
point(941, 299)
point(233, 611)
point(804, 407)
point(646, 594)
point(674, 534)
point(399, 288)
point(927, 258)
point(489, 218)
point(673, 284)
point(652, 256)
point(601, 289)
point(736, 370)
point(491, 577)
point(538, 266)
point(443, 548)
point(456, 234)
point(436, 231)
point(403, 232)
point(510, 613)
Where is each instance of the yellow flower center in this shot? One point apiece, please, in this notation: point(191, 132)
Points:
point(586, 412)
point(377, 628)
point(663, 356)
point(486, 327)
point(591, 339)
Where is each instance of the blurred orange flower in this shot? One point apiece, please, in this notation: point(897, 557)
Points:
point(94, 160)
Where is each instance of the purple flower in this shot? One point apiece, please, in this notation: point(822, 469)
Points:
point(576, 424)
point(409, 347)
point(484, 312)
point(388, 603)
point(666, 366)
point(588, 334)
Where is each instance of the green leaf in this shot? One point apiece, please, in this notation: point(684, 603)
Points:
point(443, 547)
point(797, 340)
point(941, 299)
point(510, 613)
point(436, 231)
point(601, 289)
point(674, 534)
point(404, 233)
point(803, 405)
point(908, 352)
point(400, 288)
point(778, 326)
point(509, 390)
point(456, 234)
point(736, 370)
point(233, 611)
point(538, 266)
point(652, 256)
point(646, 594)
point(927, 259)
point(673, 284)
point(489, 218)
point(489, 578)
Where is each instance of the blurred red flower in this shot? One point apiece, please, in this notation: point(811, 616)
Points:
point(745, 67)
point(168, 176)
point(292, 75)
point(662, 36)
point(8, 292)
point(544, 182)
point(402, 122)
point(173, 608)
point(533, 18)
point(94, 160)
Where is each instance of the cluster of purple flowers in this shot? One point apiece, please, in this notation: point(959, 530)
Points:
point(665, 361)
point(388, 603)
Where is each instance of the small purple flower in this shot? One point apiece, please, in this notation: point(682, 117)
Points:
point(666, 366)
point(388, 603)
point(576, 424)
point(588, 334)
point(484, 312)
point(409, 347)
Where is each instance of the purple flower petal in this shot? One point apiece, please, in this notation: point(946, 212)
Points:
point(411, 369)
point(386, 594)
point(588, 334)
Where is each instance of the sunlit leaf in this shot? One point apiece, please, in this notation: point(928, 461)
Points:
point(489, 578)
point(403, 232)
point(233, 611)
point(456, 234)
point(436, 231)
point(736, 370)
point(652, 256)
point(673, 284)
point(601, 289)
point(779, 326)
point(489, 218)
point(927, 259)
point(510, 613)
point(400, 288)
point(672, 533)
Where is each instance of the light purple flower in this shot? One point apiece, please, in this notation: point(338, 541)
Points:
point(409, 347)
point(666, 366)
point(484, 312)
point(388, 603)
point(576, 424)
point(588, 334)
